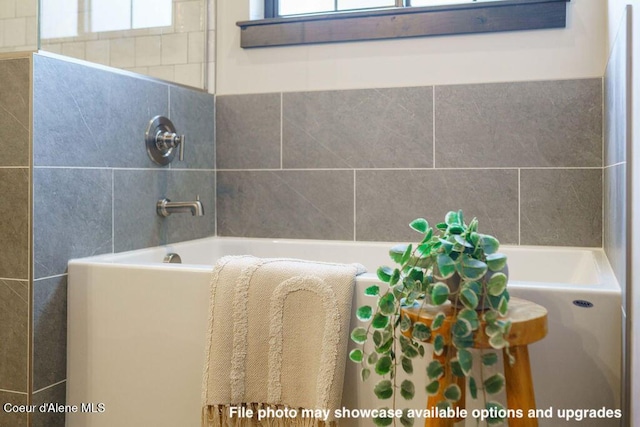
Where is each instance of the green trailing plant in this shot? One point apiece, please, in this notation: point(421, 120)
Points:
point(452, 264)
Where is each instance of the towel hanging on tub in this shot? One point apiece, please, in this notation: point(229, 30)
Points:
point(277, 342)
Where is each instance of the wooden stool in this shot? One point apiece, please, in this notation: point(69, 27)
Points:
point(528, 325)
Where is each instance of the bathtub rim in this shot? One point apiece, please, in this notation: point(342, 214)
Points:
point(608, 282)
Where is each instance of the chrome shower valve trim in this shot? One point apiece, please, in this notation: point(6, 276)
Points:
point(162, 140)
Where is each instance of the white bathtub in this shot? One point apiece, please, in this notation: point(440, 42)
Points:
point(136, 328)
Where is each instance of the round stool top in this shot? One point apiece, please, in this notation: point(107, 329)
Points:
point(528, 322)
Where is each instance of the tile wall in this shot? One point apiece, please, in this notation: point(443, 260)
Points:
point(94, 191)
point(175, 53)
point(525, 158)
point(18, 25)
point(617, 136)
point(15, 106)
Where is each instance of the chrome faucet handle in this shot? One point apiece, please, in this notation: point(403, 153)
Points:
point(167, 140)
point(162, 141)
point(183, 139)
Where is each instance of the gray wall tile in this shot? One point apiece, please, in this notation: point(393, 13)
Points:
point(184, 186)
point(248, 131)
point(369, 128)
point(192, 113)
point(15, 105)
point(13, 419)
point(55, 394)
point(547, 123)
point(49, 331)
point(90, 117)
point(483, 126)
point(72, 217)
point(136, 223)
point(85, 116)
point(287, 204)
point(387, 201)
point(14, 318)
point(614, 236)
point(561, 207)
point(14, 223)
point(616, 92)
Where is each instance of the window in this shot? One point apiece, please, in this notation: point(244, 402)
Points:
point(285, 8)
point(114, 15)
point(161, 16)
point(110, 15)
point(62, 18)
point(297, 7)
point(292, 22)
point(444, 2)
point(59, 18)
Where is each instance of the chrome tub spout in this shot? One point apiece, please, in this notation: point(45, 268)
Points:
point(166, 207)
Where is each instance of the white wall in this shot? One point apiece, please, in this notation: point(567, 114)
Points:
point(575, 52)
point(615, 10)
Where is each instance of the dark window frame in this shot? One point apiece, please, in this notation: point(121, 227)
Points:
point(271, 8)
point(401, 22)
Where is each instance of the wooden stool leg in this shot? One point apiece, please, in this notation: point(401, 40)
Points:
point(519, 385)
point(444, 381)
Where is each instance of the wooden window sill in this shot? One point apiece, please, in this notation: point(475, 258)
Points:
point(509, 15)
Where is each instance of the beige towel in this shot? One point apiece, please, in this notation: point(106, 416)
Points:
point(278, 335)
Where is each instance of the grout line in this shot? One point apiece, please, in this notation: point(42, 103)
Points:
point(14, 392)
point(602, 117)
point(215, 203)
point(616, 164)
point(519, 211)
point(418, 169)
point(354, 206)
point(534, 168)
point(433, 123)
point(603, 144)
point(172, 169)
point(281, 127)
point(31, 244)
point(50, 277)
point(125, 169)
point(73, 167)
point(14, 167)
point(602, 207)
point(215, 163)
point(170, 165)
point(603, 120)
point(113, 211)
point(50, 386)
point(205, 53)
